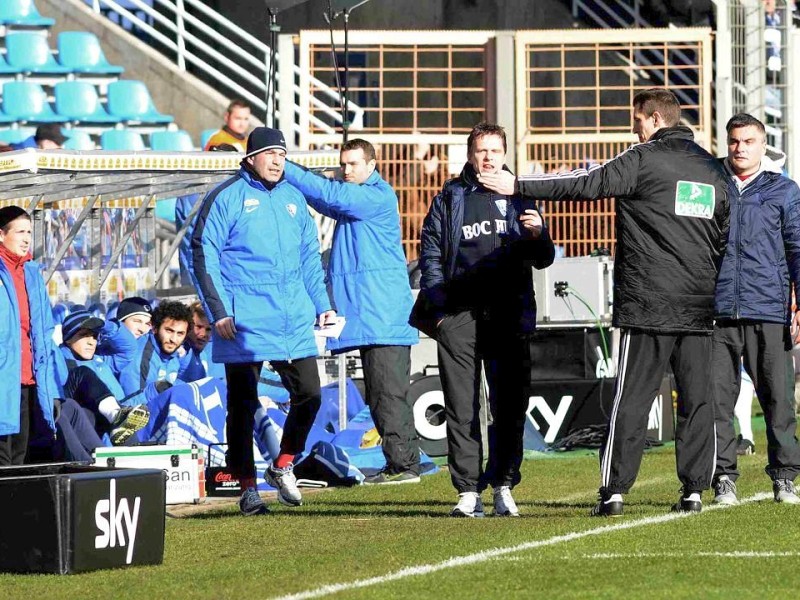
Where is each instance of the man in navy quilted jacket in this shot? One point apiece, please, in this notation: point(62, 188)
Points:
point(753, 308)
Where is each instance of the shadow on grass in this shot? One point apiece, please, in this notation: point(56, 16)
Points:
point(340, 512)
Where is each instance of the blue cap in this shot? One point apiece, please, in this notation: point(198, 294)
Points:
point(78, 320)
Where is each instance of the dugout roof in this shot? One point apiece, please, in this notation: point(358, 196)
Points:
point(35, 179)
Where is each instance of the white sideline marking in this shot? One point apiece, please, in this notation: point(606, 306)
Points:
point(479, 557)
point(738, 554)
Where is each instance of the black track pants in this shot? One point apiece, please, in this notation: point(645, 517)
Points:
point(642, 363)
point(460, 371)
point(764, 347)
point(301, 380)
point(386, 379)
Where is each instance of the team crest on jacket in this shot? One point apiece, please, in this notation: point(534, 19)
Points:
point(251, 204)
point(292, 208)
point(502, 206)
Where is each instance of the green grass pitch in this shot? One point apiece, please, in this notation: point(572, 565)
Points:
point(396, 541)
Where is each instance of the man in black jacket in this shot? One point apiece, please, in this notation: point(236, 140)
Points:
point(671, 225)
point(476, 300)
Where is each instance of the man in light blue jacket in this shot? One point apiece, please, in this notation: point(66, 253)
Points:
point(257, 269)
point(369, 278)
point(27, 351)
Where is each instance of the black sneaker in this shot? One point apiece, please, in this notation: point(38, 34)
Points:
point(744, 446)
point(384, 477)
point(688, 503)
point(251, 504)
point(609, 505)
point(128, 421)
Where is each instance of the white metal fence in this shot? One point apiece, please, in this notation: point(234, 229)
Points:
point(756, 71)
point(235, 61)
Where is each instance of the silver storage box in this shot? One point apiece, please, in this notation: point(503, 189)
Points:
point(560, 288)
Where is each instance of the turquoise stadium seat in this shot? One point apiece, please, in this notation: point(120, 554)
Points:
point(26, 101)
point(171, 141)
point(78, 140)
point(29, 52)
point(205, 135)
point(5, 68)
point(79, 101)
point(80, 52)
point(121, 139)
point(130, 101)
point(14, 136)
point(4, 118)
point(22, 12)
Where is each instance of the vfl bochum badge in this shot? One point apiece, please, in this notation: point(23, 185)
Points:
point(502, 206)
point(292, 208)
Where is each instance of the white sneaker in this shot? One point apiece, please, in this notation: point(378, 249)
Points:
point(469, 505)
point(285, 482)
point(785, 492)
point(725, 491)
point(504, 505)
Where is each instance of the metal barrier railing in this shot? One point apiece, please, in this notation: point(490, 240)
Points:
point(242, 66)
point(572, 81)
point(406, 82)
point(755, 57)
point(619, 13)
point(628, 14)
point(577, 228)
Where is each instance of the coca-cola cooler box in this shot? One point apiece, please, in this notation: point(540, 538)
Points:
point(184, 467)
point(219, 479)
point(70, 518)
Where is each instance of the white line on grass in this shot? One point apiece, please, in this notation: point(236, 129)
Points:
point(737, 554)
point(479, 557)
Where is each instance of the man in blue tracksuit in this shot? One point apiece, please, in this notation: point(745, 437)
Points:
point(92, 384)
point(753, 308)
point(369, 278)
point(159, 354)
point(117, 341)
point(257, 269)
point(27, 351)
point(477, 302)
point(198, 345)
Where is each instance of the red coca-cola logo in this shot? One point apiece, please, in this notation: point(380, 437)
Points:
point(223, 477)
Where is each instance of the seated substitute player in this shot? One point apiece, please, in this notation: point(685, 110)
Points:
point(92, 384)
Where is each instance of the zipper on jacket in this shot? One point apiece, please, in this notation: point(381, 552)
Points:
point(283, 275)
point(738, 256)
point(496, 236)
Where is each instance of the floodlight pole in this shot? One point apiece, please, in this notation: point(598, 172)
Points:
point(345, 107)
point(270, 100)
point(344, 89)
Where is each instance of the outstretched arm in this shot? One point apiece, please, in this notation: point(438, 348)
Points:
point(334, 198)
point(617, 177)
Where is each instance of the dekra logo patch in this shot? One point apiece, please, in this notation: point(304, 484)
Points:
point(694, 199)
